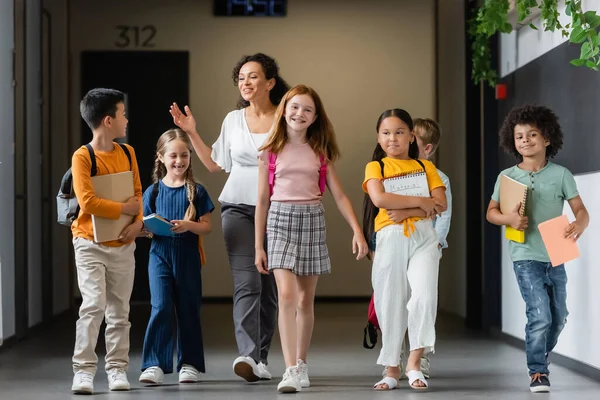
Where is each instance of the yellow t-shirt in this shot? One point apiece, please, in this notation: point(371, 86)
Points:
point(392, 168)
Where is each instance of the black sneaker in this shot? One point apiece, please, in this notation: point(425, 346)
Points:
point(539, 383)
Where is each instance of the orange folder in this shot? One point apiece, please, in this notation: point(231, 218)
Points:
point(560, 249)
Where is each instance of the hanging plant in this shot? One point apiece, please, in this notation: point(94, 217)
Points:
point(492, 17)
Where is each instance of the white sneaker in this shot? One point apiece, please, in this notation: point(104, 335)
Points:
point(83, 383)
point(188, 374)
point(117, 379)
point(246, 368)
point(290, 382)
point(263, 372)
point(303, 373)
point(152, 376)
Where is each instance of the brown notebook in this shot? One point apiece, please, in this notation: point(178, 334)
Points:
point(115, 187)
point(511, 194)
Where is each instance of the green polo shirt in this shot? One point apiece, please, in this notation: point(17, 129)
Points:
point(548, 190)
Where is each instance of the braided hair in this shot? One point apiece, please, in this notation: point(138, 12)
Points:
point(160, 171)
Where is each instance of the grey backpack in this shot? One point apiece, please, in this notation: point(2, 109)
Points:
point(67, 206)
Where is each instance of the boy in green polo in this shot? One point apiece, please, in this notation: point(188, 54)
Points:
point(532, 134)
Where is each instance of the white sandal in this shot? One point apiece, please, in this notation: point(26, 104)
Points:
point(388, 380)
point(384, 373)
point(416, 376)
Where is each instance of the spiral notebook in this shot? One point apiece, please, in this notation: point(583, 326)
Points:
point(511, 194)
point(115, 187)
point(411, 183)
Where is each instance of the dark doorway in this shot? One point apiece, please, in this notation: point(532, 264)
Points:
point(151, 82)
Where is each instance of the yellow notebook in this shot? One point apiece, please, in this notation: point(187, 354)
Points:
point(511, 194)
point(514, 235)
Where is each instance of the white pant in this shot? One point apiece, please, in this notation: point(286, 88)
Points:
point(105, 277)
point(405, 279)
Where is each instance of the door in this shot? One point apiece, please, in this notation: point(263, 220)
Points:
point(151, 82)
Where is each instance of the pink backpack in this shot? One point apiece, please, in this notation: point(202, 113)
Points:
point(322, 172)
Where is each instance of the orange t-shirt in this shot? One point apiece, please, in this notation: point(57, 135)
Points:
point(106, 163)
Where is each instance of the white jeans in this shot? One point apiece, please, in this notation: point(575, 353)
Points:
point(105, 277)
point(405, 283)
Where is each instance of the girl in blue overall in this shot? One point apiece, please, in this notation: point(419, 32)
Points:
point(175, 262)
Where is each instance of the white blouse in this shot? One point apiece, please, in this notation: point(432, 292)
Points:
point(236, 151)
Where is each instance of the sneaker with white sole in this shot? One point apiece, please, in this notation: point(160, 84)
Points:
point(539, 383)
point(290, 382)
point(152, 376)
point(188, 374)
point(83, 383)
point(303, 373)
point(117, 379)
point(263, 372)
point(246, 368)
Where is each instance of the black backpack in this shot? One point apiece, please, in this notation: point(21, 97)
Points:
point(67, 206)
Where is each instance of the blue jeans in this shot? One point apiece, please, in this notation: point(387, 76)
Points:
point(544, 290)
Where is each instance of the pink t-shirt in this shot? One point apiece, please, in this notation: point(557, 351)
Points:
point(296, 174)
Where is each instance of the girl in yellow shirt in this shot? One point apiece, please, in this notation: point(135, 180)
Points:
point(405, 267)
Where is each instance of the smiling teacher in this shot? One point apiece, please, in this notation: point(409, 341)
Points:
point(243, 132)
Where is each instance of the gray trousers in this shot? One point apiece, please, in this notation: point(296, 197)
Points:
point(254, 294)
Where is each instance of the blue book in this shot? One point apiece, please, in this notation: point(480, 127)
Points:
point(157, 225)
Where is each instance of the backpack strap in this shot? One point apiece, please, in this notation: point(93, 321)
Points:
point(93, 171)
point(127, 153)
point(272, 159)
point(153, 197)
point(421, 164)
point(323, 174)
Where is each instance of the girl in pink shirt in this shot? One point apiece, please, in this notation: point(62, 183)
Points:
point(295, 165)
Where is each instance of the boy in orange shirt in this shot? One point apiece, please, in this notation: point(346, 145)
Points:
point(105, 271)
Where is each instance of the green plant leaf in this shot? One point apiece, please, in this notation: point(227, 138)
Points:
point(578, 62)
point(507, 27)
point(532, 26)
point(586, 51)
point(591, 65)
point(592, 19)
point(578, 35)
point(568, 9)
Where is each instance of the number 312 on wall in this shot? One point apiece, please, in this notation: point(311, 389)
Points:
point(135, 36)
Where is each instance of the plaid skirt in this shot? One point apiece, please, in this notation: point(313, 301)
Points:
point(296, 235)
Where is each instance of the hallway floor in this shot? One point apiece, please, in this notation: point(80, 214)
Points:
point(466, 365)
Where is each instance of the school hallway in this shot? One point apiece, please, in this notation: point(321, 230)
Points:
point(466, 365)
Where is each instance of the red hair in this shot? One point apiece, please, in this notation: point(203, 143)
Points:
point(320, 134)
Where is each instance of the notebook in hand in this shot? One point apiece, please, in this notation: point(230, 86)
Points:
point(413, 183)
point(115, 187)
point(560, 249)
point(157, 225)
point(511, 194)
